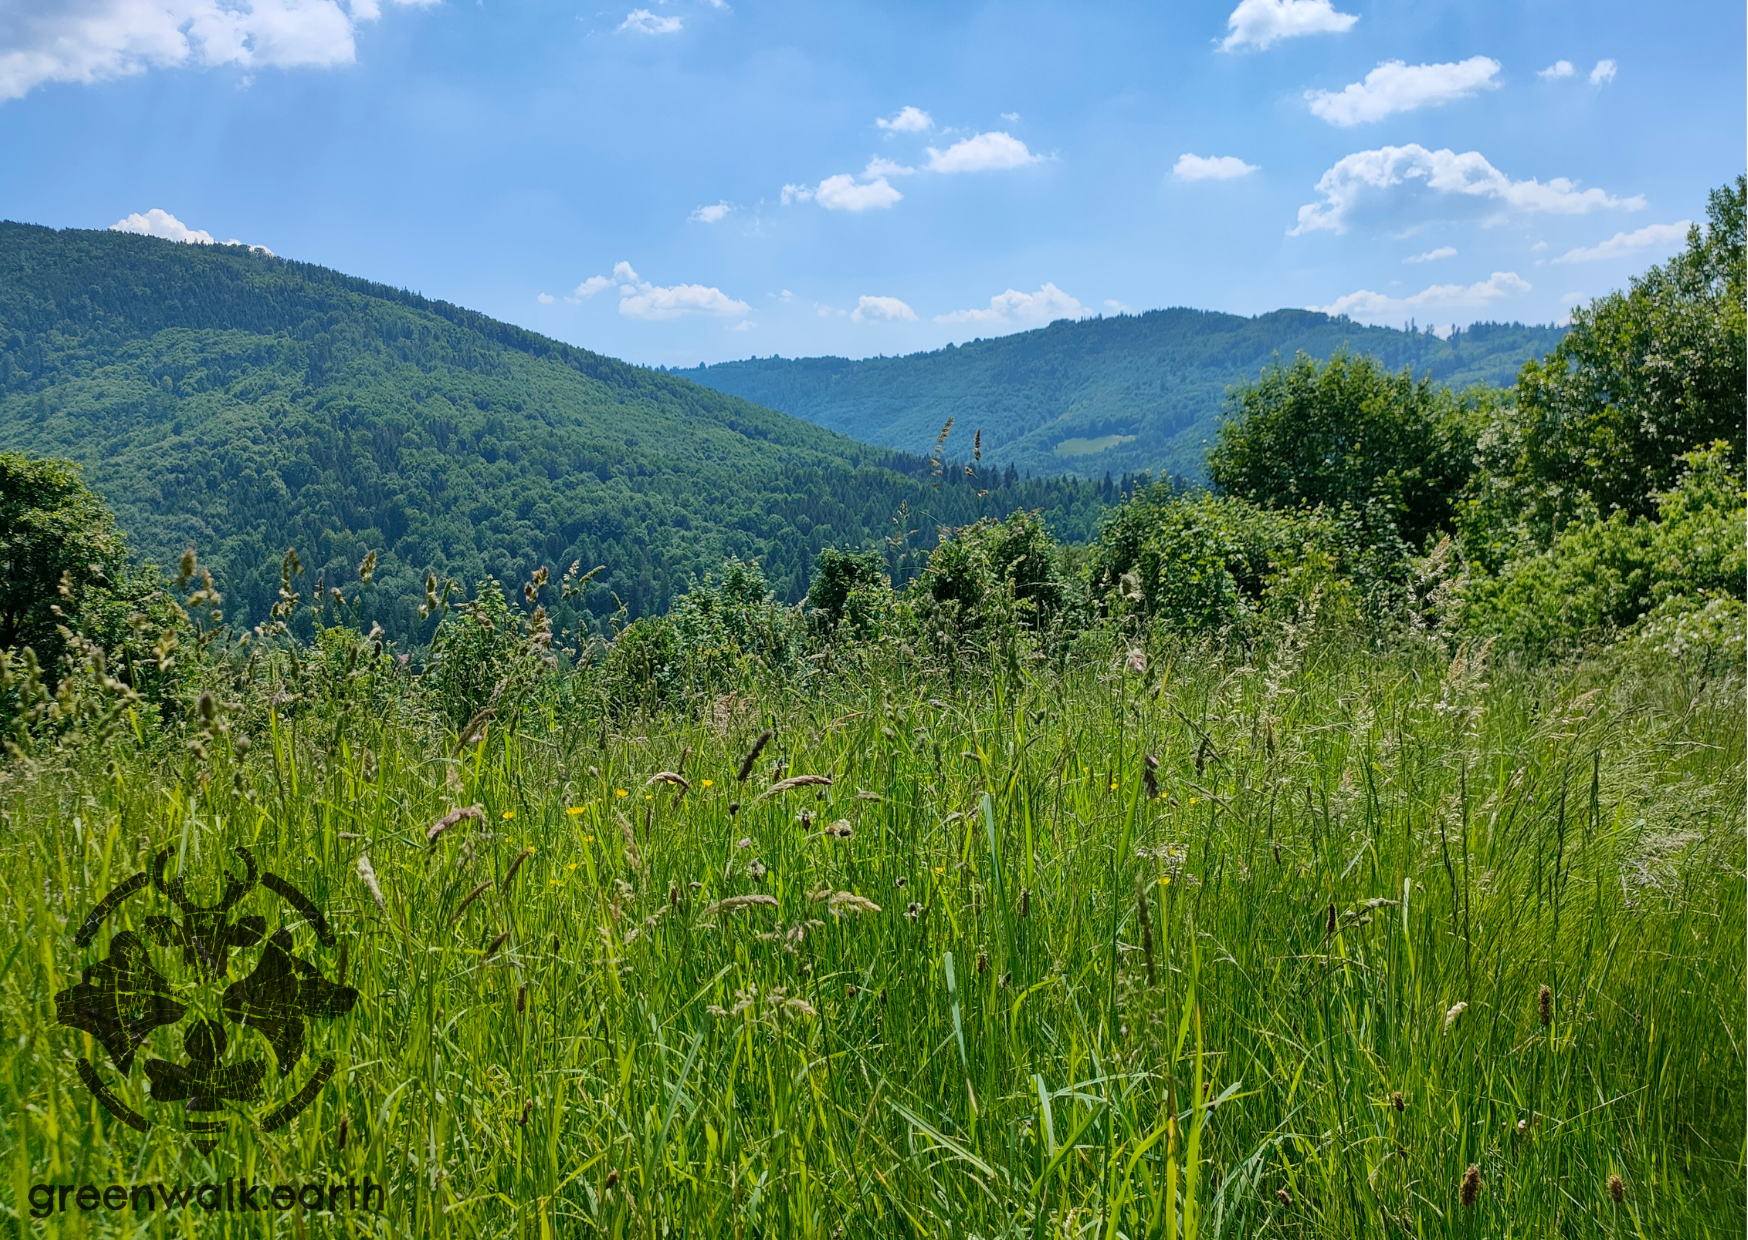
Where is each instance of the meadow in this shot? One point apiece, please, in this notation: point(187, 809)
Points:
point(1311, 936)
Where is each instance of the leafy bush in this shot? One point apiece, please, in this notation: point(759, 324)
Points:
point(1350, 436)
point(1200, 563)
point(484, 656)
point(1645, 375)
point(1601, 577)
point(850, 596)
point(644, 669)
point(989, 582)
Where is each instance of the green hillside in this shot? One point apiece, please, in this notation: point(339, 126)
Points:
point(1134, 392)
point(245, 404)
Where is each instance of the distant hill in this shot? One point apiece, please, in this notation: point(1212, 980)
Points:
point(244, 404)
point(1134, 392)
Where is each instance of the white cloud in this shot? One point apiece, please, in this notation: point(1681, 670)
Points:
point(888, 309)
point(545, 299)
point(1012, 118)
point(841, 193)
point(1432, 256)
point(1398, 87)
point(159, 223)
point(907, 120)
point(1359, 181)
point(1622, 244)
point(1258, 23)
point(88, 41)
point(593, 285)
point(1117, 307)
point(1367, 306)
point(1045, 306)
point(984, 152)
point(642, 21)
point(710, 214)
point(1559, 69)
point(879, 166)
point(1603, 73)
point(639, 299)
point(745, 325)
point(797, 193)
point(1210, 167)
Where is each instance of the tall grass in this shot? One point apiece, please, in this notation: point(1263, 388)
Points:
point(1297, 993)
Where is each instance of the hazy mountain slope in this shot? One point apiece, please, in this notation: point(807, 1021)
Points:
point(244, 404)
point(1126, 393)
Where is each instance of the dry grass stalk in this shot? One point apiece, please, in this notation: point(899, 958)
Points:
point(669, 777)
point(793, 782)
point(514, 866)
point(367, 873)
point(733, 904)
point(471, 896)
point(453, 818)
point(752, 756)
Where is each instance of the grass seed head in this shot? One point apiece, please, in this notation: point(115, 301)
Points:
point(367, 875)
point(1617, 1190)
point(1329, 920)
point(1471, 1185)
point(1545, 1004)
point(1283, 1196)
point(1397, 1102)
point(345, 1123)
point(752, 755)
point(1457, 1009)
point(521, 998)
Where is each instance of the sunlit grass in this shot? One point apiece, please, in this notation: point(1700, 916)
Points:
point(1077, 1009)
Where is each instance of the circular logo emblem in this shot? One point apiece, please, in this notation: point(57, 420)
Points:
point(194, 985)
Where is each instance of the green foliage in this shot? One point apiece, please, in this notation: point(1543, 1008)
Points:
point(645, 669)
point(1601, 577)
point(990, 582)
point(1644, 376)
point(1296, 993)
point(849, 594)
point(60, 554)
point(720, 623)
point(484, 658)
point(245, 404)
point(1123, 394)
point(1350, 436)
point(1201, 563)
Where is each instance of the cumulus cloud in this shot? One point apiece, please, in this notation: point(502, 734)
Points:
point(797, 193)
point(1559, 69)
point(545, 299)
point(1258, 23)
point(1395, 86)
point(1014, 307)
point(907, 120)
point(88, 41)
point(1117, 307)
point(1210, 167)
point(1369, 307)
point(1432, 256)
point(639, 299)
point(1623, 244)
point(160, 223)
point(642, 21)
point(879, 166)
point(984, 152)
point(709, 214)
point(886, 309)
point(842, 193)
point(1603, 73)
point(1364, 180)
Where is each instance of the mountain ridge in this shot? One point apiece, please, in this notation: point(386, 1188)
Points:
point(245, 404)
point(1123, 393)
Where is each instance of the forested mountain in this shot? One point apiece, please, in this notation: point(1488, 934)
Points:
point(244, 404)
point(1133, 392)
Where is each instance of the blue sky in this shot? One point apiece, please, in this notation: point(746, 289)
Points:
point(698, 180)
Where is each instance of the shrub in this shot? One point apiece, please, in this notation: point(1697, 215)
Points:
point(483, 656)
point(990, 581)
point(1601, 577)
point(644, 669)
point(850, 596)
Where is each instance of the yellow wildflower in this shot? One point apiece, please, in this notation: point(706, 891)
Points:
point(574, 810)
point(706, 782)
point(509, 814)
point(620, 792)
